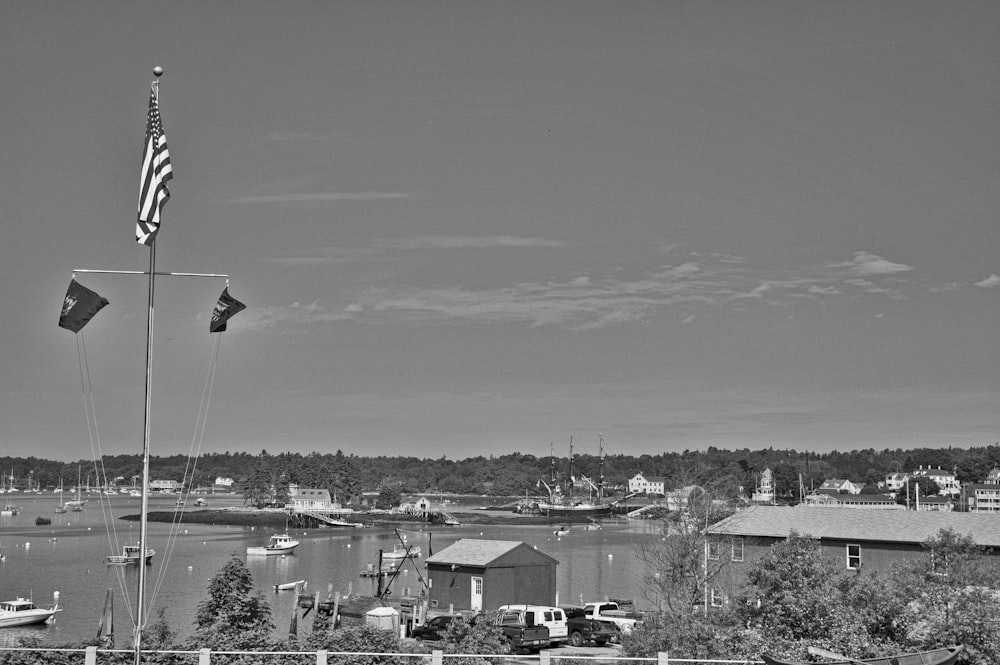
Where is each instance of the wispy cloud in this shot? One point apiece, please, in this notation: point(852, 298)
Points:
point(990, 282)
point(325, 256)
point(865, 264)
point(262, 317)
point(313, 197)
point(585, 302)
point(467, 242)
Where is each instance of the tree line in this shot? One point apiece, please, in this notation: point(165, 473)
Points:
point(348, 475)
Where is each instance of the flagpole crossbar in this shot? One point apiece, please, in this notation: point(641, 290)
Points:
point(158, 274)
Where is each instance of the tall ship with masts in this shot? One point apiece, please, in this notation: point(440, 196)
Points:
point(563, 504)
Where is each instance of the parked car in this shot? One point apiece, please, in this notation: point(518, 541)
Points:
point(552, 618)
point(518, 631)
point(583, 629)
point(612, 611)
point(434, 629)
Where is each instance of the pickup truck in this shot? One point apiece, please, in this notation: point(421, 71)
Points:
point(583, 629)
point(520, 635)
point(611, 611)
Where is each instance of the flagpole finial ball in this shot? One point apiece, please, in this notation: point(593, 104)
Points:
point(158, 71)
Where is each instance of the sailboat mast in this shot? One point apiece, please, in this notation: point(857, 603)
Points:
point(144, 501)
point(569, 482)
point(600, 469)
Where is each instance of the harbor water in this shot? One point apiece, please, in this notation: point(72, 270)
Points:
point(69, 556)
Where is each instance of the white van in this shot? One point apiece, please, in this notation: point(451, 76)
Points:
point(552, 618)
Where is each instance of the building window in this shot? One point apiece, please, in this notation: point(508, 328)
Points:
point(939, 563)
point(717, 598)
point(713, 550)
point(738, 548)
point(853, 557)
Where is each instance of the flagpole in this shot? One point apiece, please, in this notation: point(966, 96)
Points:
point(81, 304)
point(140, 615)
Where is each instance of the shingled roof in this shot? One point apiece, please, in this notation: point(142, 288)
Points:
point(888, 526)
point(477, 551)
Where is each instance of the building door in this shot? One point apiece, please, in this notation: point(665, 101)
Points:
point(476, 603)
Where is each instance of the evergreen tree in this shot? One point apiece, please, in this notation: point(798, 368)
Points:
point(233, 616)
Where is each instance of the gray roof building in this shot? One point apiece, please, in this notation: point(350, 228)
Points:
point(875, 526)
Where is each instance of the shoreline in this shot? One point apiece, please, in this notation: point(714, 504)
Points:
point(277, 519)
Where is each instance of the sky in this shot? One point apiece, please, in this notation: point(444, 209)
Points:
point(477, 228)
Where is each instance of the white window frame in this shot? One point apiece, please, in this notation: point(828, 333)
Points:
point(854, 558)
point(737, 548)
point(713, 549)
point(717, 598)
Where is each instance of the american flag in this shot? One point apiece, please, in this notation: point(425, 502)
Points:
point(156, 172)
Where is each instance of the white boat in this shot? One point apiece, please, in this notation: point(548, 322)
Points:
point(76, 505)
point(130, 555)
point(562, 531)
point(400, 552)
point(23, 612)
point(9, 510)
point(61, 508)
point(288, 586)
point(279, 543)
point(200, 502)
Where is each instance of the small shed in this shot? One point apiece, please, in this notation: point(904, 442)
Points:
point(354, 611)
point(478, 574)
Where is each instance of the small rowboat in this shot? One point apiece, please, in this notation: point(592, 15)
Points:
point(942, 656)
point(288, 586)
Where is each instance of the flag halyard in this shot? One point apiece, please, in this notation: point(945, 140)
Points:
point(156, 173)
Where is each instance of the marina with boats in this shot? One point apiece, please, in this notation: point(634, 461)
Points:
point(70, 556)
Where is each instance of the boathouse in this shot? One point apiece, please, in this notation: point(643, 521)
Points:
point(477, 575)
point(875, 539)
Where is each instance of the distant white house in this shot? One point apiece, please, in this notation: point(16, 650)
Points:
point(981, 497)
point(165, 486)
point(993, 477)
point(841, 485)
point(765, 491)
point(896, 481)
point(308, 498)
point(945, 480)
point(224, 485)
point(419, 506)
point(643, 485)
point(831, 499)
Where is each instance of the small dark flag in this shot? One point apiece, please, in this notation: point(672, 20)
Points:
point(225, 309)
point(79, 306)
